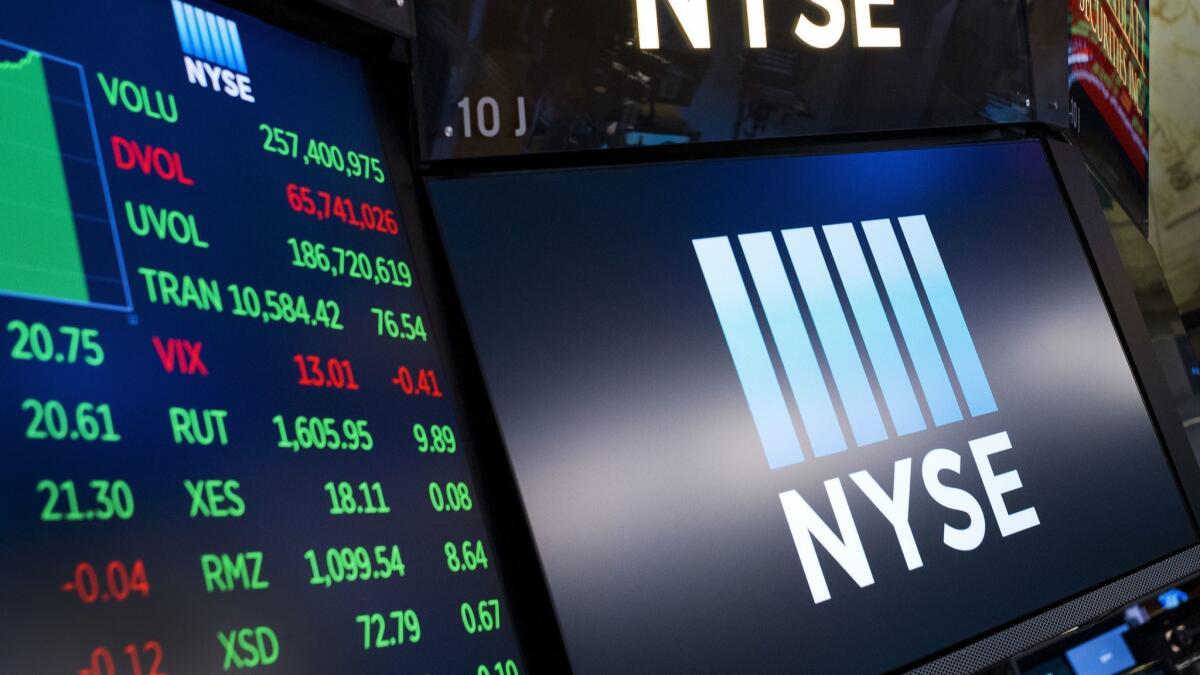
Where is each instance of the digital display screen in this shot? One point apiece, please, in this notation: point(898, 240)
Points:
point(1105, 654)
point(507, 78)
point(823, 413)
point(229, 441)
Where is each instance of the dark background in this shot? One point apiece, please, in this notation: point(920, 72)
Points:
point(654, 512)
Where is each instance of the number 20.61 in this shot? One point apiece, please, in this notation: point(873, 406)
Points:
point(50, 421)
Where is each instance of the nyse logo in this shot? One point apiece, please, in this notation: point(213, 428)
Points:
point(212, 48)
point(796, 349)
point(851, 384)
point(820, 29)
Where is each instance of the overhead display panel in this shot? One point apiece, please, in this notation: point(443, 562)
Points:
point(753, 403)
point(503, 78)
point(228, 440)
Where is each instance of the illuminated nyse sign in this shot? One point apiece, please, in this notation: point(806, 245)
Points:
point(814, 398)
point(822, 32)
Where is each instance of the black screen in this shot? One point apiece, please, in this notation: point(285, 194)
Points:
point(229, 441)
point(806, 414)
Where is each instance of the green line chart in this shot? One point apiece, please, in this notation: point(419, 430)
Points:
point(57, 230)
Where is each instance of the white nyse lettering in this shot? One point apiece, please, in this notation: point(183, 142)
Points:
point(692, 17)
point(894, 508)
point(868, 35)
point(195, 71)
point(847, 551)
point(970, 537)
point(219, 79)
point(691, 14)
point(756, 24)
point(826, 35)
point(996, 486)
point(845, 546)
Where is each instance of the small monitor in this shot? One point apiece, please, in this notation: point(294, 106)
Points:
point(1105, 654)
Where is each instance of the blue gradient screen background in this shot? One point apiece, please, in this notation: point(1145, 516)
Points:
point(653, 507)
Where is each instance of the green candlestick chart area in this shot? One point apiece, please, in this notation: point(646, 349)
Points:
point(41, 252)
point(55, 221)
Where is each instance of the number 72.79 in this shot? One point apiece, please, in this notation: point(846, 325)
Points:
point(380, 633)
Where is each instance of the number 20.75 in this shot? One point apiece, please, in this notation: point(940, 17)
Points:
point(36, 342)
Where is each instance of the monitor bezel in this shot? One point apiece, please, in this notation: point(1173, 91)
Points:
point(387, 67)
point(1074, 183)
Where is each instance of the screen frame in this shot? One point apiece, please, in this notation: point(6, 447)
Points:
point(387, 69)
point(1092, 606)
point(394, 90)
point(493, 478)
point(1074, 183)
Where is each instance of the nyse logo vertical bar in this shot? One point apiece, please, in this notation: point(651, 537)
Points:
point(749, 351)
point(949, 315)
point(850, 382)
point(834, 331)
point(207, 36)
point(795, 347)
point(876, 332)
point(910, 316)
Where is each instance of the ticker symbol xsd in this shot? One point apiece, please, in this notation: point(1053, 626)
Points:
point(213, 51)
point(851, 380)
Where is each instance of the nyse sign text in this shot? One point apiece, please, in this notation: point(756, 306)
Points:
point(820, 28)
point(846, 547)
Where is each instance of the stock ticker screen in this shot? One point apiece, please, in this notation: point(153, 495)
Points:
point(228, 441)
point(815, 414)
